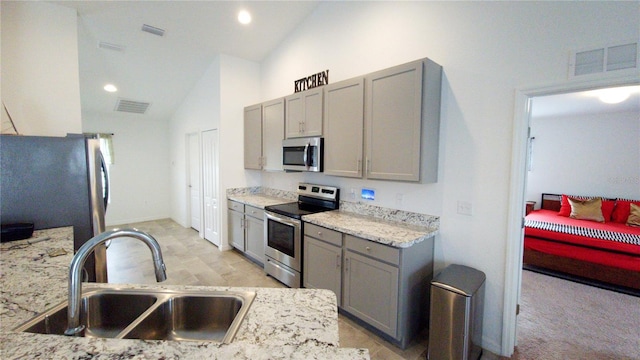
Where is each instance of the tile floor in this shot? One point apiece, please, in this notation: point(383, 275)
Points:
point(191, 260)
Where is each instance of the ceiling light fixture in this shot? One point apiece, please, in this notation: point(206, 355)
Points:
point(244, 17)
point(614, 95)
point(110, 88)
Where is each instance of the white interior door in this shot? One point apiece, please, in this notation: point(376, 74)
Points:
point(193, 180)
point(210, 186)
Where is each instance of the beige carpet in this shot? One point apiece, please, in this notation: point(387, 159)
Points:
point(561, 319)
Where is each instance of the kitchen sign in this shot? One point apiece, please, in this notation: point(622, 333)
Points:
point(311, 81)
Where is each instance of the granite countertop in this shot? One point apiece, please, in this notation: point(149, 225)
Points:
point(258, 200)
point(281, 323)
point(392, 227)
point(382, 231)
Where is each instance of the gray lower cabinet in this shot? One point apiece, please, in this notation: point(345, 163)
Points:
point(254, 227)
point(246, 230)
point(236, 224)
point(383, 286)
point(371, 283)
point(322, 260)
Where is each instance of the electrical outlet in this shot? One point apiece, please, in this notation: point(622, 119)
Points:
point(465, 208)
point(352, 194)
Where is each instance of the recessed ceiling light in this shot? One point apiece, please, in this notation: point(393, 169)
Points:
point(244, 17)
point(110, 88)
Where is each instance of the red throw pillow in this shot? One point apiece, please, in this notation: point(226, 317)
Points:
point(607, 207)
point(565, 207)
point(622, 209)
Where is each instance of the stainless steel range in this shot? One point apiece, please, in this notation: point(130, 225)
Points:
point(284, 228)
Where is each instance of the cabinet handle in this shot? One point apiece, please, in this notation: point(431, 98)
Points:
point(367, 248)
point(346, 264)
point(241, 223)
point(338, 261)
point(359, 166)
point(319, 233)
point(367, 170)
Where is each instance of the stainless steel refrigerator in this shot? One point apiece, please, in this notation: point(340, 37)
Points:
point(54, 182)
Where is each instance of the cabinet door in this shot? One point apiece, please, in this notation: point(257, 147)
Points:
point(393, 122)
point(304, 113)
point(272, 134)
point(343, 128)
point(312, 121)
point(255, 238)
point(253, 137)
point(236, 229)
point(371, 291)
point(294, 115)
point(322, 266)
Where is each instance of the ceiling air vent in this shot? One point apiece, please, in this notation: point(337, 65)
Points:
point(152, 30)
point(109, 46)
point(604, 59)
point(130, 106)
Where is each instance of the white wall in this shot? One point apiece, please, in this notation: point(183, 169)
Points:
point(487, 50)
point(139, 177)
point(216, 102)
point(40, 78)
point(586, 155)
point(198, 112)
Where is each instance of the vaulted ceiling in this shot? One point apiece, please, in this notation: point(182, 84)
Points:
point(161, 70)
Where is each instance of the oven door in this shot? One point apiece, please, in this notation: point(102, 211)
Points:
point(283, 237)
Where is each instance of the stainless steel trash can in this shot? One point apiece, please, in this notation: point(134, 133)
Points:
point(455, 323)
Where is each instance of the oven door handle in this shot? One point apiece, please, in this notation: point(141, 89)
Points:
point(282, 219)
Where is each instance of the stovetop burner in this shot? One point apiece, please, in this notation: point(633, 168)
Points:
point(296, 210)
point(311, 199)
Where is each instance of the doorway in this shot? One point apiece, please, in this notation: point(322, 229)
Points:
point(211, 209)
point(520, 155)
point(193, 181)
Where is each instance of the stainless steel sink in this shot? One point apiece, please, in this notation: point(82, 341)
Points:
point(151, 315)
point(189, 318)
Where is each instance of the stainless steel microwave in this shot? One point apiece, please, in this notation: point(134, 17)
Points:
point(302, 154)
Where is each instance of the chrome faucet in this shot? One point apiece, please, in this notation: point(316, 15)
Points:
point(75, 270)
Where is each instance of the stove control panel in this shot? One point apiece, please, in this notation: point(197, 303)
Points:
point(318, 191)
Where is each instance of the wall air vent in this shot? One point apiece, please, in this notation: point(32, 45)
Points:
point(152, 30)
point(606, 59)
point(109, 46)
point(130, 106)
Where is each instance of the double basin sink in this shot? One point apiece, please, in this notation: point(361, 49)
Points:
point(151, 314)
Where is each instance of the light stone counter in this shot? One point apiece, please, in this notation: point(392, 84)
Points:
point(392, 227)
point(281, 323)
point(383, 231)
point(261, 197)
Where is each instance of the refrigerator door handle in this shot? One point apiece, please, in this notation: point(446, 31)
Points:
point(103, 166)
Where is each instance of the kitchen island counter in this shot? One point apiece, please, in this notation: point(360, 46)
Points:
point(280, 324)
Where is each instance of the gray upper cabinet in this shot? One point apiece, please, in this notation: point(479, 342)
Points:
point(272, 134)
point(253, 137)
point(402, 120)
point(304, 113)
point(343, 128)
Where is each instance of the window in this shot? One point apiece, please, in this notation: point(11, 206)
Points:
point(106, 146)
